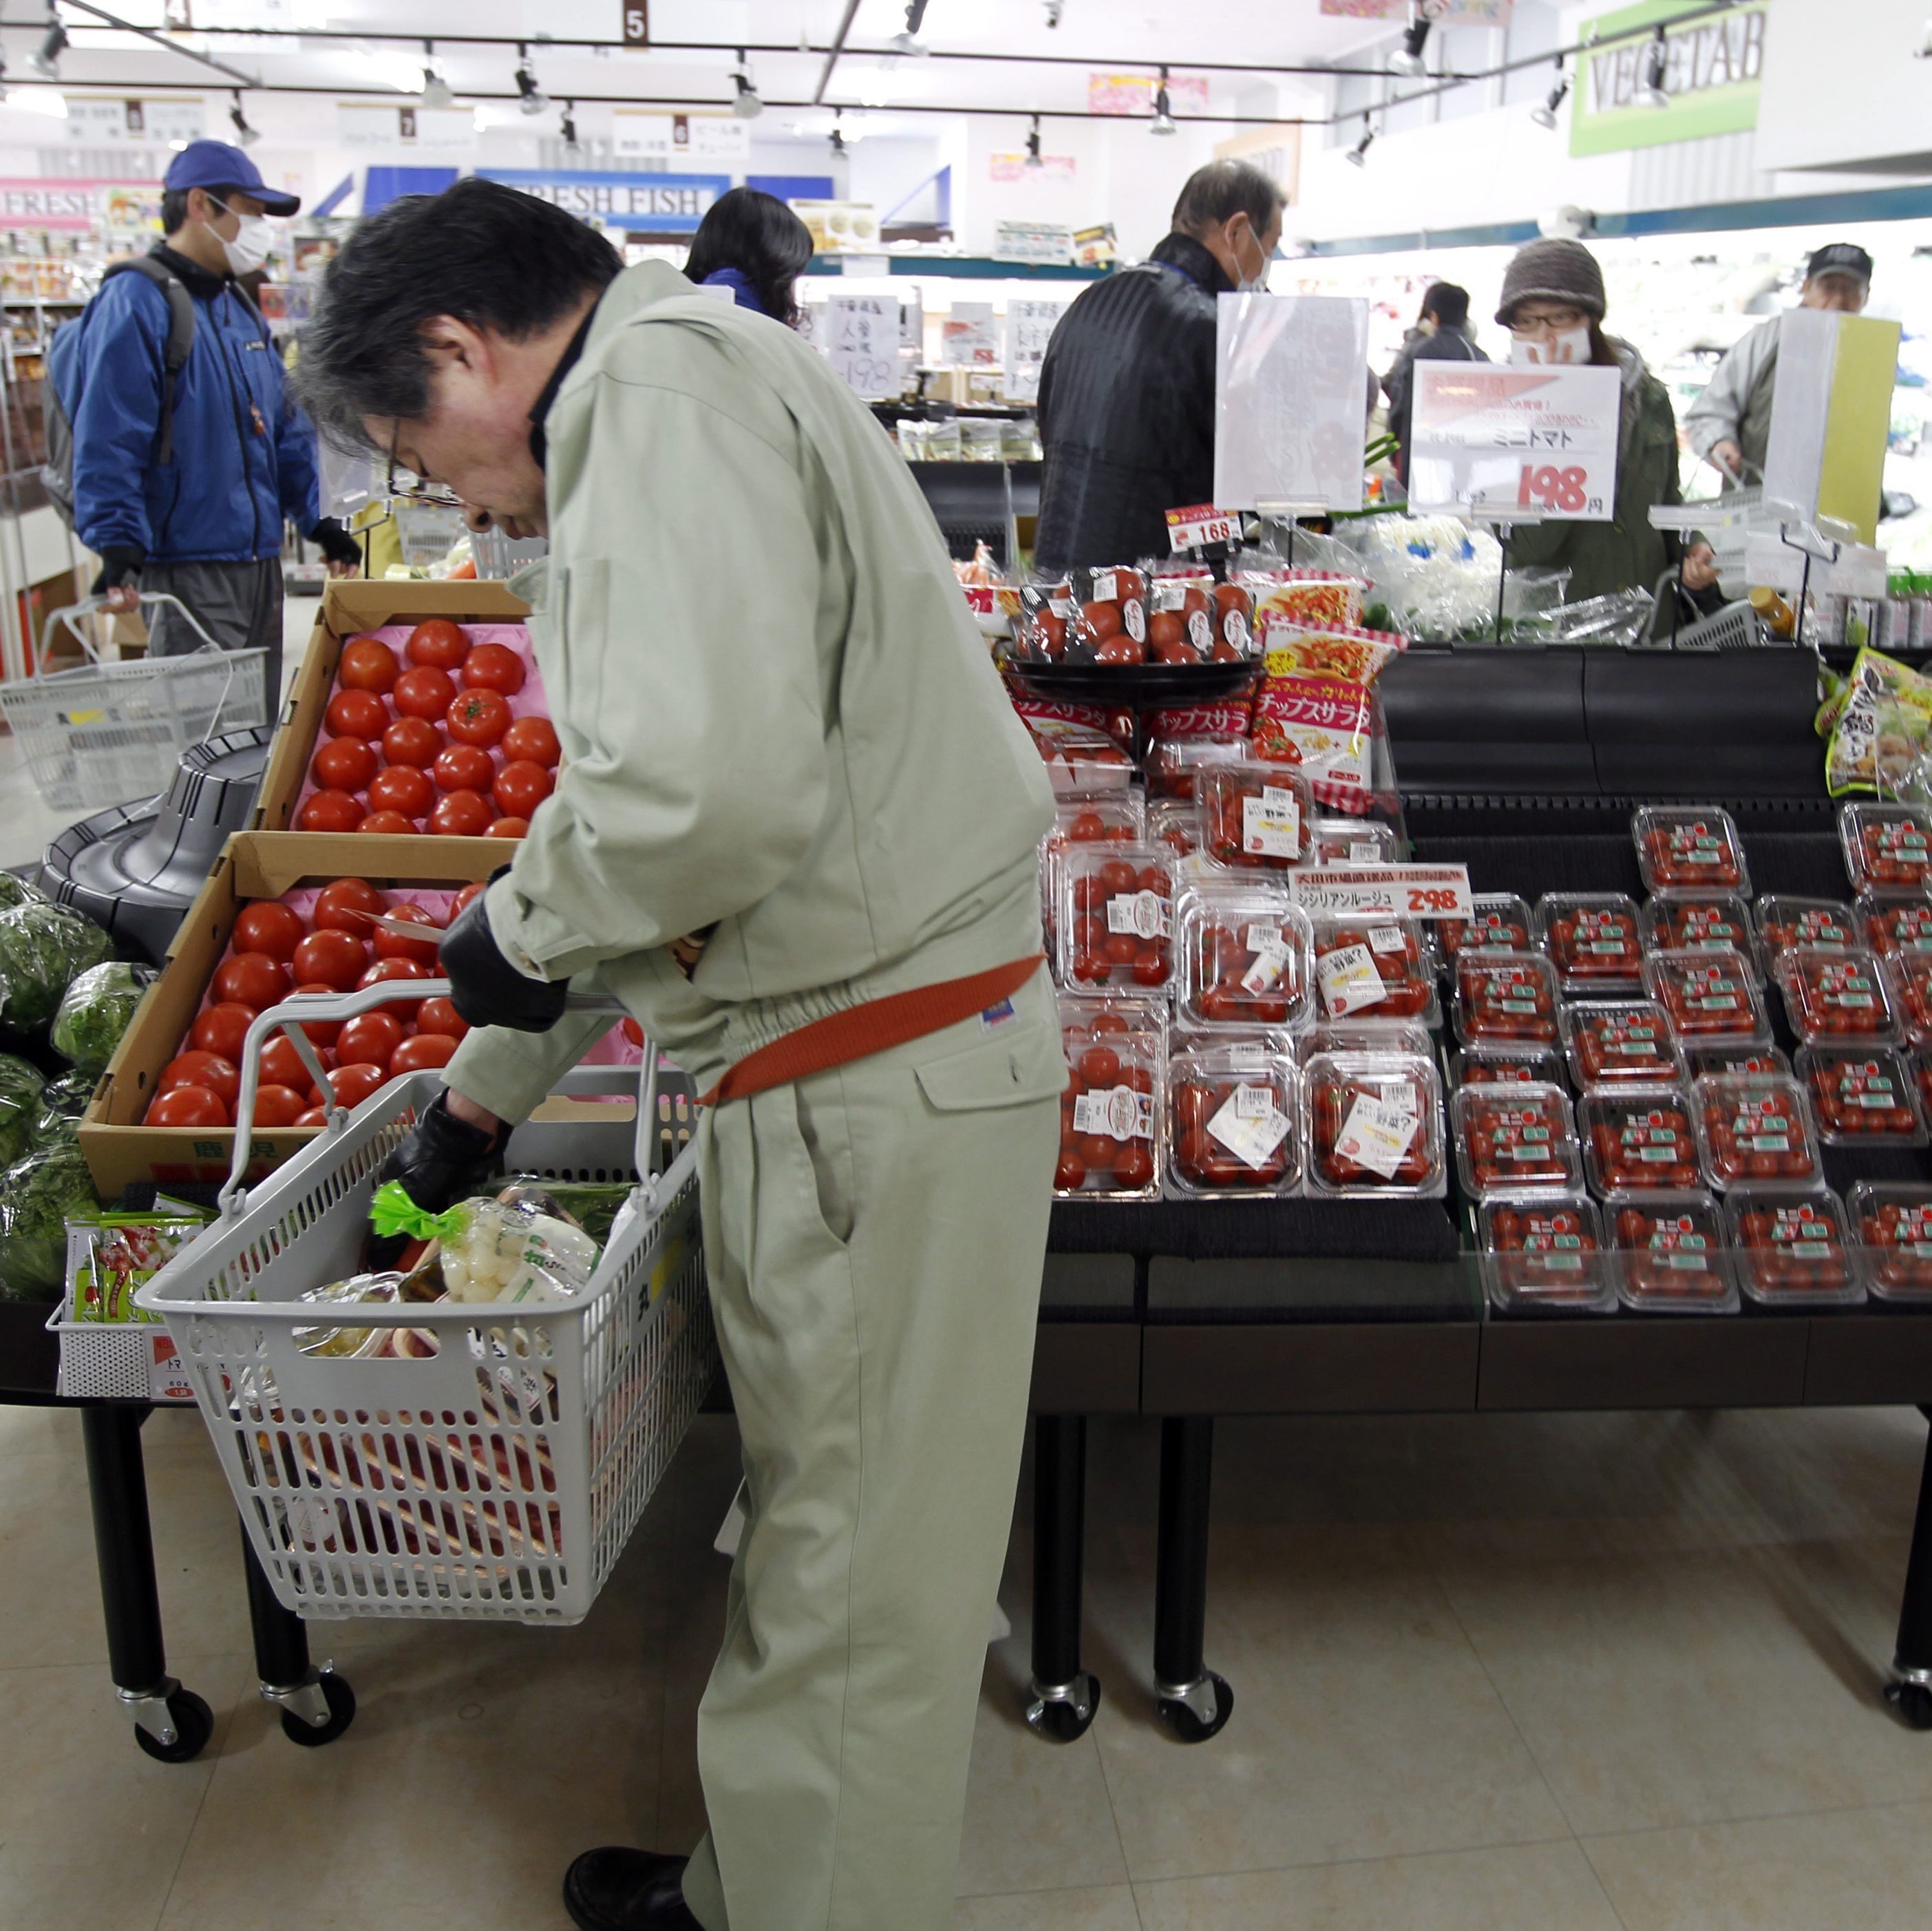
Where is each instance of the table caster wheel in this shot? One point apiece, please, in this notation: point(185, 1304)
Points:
point(1065, 1714)
point(1911, 1702)
point(193, 1723)
point(341, 1702)
point(1199, 1710)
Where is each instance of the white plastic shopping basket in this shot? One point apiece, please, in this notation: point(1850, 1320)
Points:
point(497, 1472)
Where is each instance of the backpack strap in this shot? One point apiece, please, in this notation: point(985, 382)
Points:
point(181, 337)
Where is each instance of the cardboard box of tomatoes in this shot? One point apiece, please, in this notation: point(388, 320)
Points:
point(418, 709)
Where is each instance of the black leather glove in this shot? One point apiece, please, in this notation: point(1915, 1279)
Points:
point(485, 987)
point(120, 564)
point(336, 543)
point(442, 1159)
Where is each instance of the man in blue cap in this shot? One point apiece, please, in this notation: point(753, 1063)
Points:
point(182, 478)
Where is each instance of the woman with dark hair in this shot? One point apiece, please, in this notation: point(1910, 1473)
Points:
point(752, 244)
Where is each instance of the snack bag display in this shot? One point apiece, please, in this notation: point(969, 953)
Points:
point(1330, 731)
point(1882, 724)
point(1304, 596)
point(1184, 737)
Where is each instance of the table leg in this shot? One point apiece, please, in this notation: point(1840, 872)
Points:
point(1194, 1702)
point(1909, 1692)
point(1065, 1697)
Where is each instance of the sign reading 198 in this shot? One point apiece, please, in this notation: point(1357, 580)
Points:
point(1566, 490)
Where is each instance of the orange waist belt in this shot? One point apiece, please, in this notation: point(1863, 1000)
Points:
point(863, 1031)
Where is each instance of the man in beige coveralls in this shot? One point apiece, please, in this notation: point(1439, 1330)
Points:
point(795, 835)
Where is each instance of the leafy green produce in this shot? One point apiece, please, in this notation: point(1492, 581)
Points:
point(43, 948)
point(16, 891)
point(20, 1086)
point(94, 1012)
point(36, 1195)
point(57, 1117)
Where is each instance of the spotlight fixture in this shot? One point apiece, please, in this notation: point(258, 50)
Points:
point(45, 59)
point(1923, 51)
point(1545, 116)
point(745, 101)
point(534, 100)
point(435, 90)
point(571, 145)
point(1656, 64)
point(1033, 159)
point(245, 135)
point(1163, 121)
point(837, 139)
point(3, 77)
point(1358, 155)
point(1407, 58)
point(908, 41)
point(1054, 8)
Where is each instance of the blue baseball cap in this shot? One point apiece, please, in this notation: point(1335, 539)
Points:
point(216, 164)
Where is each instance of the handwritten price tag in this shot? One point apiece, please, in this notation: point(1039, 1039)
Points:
point(863, 335)
point(1384, 891)
point(1199, 523)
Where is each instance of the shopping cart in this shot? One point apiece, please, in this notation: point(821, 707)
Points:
point(109, 733)
point(497, 1470)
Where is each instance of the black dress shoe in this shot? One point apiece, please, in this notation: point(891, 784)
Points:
point(615, 1889)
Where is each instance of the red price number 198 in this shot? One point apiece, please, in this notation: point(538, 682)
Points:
point(1554, 488)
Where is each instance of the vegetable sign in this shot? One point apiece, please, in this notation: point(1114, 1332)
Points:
point(1516, 444)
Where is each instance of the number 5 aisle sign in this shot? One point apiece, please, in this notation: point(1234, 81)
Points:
point(1535, 444)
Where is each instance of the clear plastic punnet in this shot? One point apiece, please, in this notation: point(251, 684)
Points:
point(1862, 1096)
point(1375, 1126)
point(1117, 818)
point(1698, 922)
point(1388, 1036)
point(1670, 1254)
point(1921, 1074)
point(1254, 815)
point(1756, 1132)
point(1891, 1228)
point(1892, 923)
point(1246, 954)
point(1545, 1254)
point(1908, 979)
point(1115, 919)
point(1504, 998)
point(1354, 841)
point(1620, 1042)
point(1233, 1120)
point(1888, 847)
point(1110, 1114)
point(1784, 921)
point(1510, 1139)
point(1832, 996)
point(1503, 922)
point(1592, 939)
point(1372, 969)
point(1504, 1065)
point(1636, 1142)
point(1758, 1059)
point(1689, 847)
point(1172, 825)
point(1710, 998)
point(1793, 1252)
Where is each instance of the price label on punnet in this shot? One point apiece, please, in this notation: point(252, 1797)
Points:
point(1514, 442)
point(1385, 891)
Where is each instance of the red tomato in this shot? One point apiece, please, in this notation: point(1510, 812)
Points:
point(460, 815)
point(520, 788)
point(355, 714)
point(412, 740)
point(270, 927)
point(390, 824)
point(402, 787)
point(464, 897)
point(534, 738)
point(322, 1032)
point(250, 979)
point(394, 945)
point(221, 1029)
point(209, 1070)
point(424, 693)
point(329, 811)
point(282, 1064)
point(370, 1038)
point(347, 905)
point(406, 1010)
point(438, 643)
point(478, 717)
point(493, 667)
point(632, 1030)
point(186, 1106)
point(439, 1015)
point(332, 958)
point(508, 827)
point(419, 1054)
point(279, 1106)
point(314, 1116)
point(463, 768)
point(344, 764)
point(355, 1083)
point(368, 664)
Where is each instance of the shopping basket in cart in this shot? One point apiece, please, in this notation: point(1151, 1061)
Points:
point(496, 1471)
point(109, 733)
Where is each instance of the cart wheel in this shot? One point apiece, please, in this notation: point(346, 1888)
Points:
point(194, 1724)
point(1911, 1703)
point(1201, 1713)
point(341, 1701)
point(1067, 1715)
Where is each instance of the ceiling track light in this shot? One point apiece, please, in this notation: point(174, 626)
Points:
point(571, 144)
point(45, 59)
point(1545, 116)
point(1358, 155)
point(1054, 9)
point(1923, 51)
point(838, 141)
point(745, 101)
point(245, 135)
point(533, 100)
point(908, 42)
point(1163, 121)
point(1033, 155)
point(435, 88)
point(1407, 58)
point(1656, 65)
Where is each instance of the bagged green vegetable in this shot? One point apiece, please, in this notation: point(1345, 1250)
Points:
point(20, 1088)
point(95, 1011)
point(43, 949)
point(56, 1120)
point(36, 1195)
point(15, 891)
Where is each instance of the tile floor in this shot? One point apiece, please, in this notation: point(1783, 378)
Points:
point(1612, 1673)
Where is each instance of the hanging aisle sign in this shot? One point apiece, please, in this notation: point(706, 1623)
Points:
point(862, 333)
point(1515, 443)
point(655, 204)
point(636, 135)
point(134, 123)
point(1290, 401)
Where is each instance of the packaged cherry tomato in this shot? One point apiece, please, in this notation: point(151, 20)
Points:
point(1891, 1225)
point(1545, 1254)
point(1830, 995)
point(1371, 969)
point(1232, 1122)
point(1081, 760)
point(1698, 922)
point(1175, 764)
point(1503, 996)
point(1109, 1114)
point(1047, 611)
point(1638, 1141)
point(1710, 998)
point(1171, 824)
point(1375, 1126)
point(1512, 1139)
point(1895, 924)
point(1115, 818)
point(1254, 814)
point(1388, 1036)
point(1592, 939)
point(1180, 625)
point(1908, 979)
point(1503, 922)
point(1861, 1097)
point(1114, 920)
point(1354, 841)
point(1784, 921)
point(1791, 1253)
point(1109, 625)
point(1756, 1132)
point(1670, 1255)
point(1689, 847)
point(1502, 1065)
point(1888, 847)
point(1620, 1042)
point(1247, 957)
point(1757, 1060)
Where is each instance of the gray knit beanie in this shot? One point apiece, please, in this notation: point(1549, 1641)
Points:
point(1555, 269)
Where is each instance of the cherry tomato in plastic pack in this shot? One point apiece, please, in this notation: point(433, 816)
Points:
point(1591, 937)
point(1756, 1132)
point(1887, 847)
point(1638, 1141)
point(1833, 995)
point(1504, 997)
point(1795, 1252)
point(1624, 1043)
point(1860, 1097)
point(1375, 1125)
point(1508, 1138)
point(1670, 1255)
point(1689, 847)
point(1231, 1123)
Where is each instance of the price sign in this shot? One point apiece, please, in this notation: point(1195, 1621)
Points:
point(636, 23)
point(1030, 327)
point(1199, 523)
point(862, 338)
point(1384, 891)
point(1291, 396)
point(1516, 443)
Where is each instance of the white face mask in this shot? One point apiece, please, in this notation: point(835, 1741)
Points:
point(1246, 283)
point(1567, 345)
point(252, 241)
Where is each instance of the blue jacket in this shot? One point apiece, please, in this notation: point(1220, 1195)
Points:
point(743, 291)
point(244, 455)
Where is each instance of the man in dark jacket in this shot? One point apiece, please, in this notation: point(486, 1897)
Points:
point(1126, 392)
point(1443, 337)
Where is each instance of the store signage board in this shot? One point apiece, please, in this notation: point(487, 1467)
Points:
point(1452, 14)
point(1291, 400)
point(1048, 243)
point(861, 336)
point(636, 136)
point(1515, 443)
point(1831, 418)
point(967, 335)
point(362, 124)
point(1030, 327)
point(1384, 891)
point(657, 204)
point(1133, 93)
point(634, 19)
point(90, 122)
point(1713, 65)
point(41, 202)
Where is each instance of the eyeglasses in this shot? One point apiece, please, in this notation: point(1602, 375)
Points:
point(1534, 323)
point(410, 487)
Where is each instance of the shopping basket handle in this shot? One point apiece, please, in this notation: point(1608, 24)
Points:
point(87, 606)
point(289, 1015)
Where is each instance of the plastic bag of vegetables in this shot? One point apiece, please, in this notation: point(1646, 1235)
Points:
point(94, 1012)
point(20, 1086)
point(56, 1120)
point(16, 891)
point(36, 1196)
point(521, 1247)
point(43, 949)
